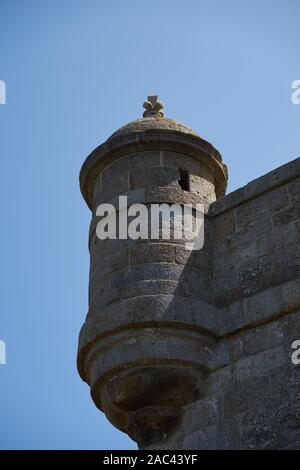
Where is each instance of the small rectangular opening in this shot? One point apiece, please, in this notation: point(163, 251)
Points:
point(184, 181)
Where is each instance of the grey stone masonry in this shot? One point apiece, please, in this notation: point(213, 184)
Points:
point(192, 349)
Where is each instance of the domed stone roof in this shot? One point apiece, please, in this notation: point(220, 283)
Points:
point(152, 123)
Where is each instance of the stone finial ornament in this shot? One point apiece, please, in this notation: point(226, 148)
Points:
point(153, 107)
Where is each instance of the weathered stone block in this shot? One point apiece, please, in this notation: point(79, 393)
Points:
point(153, 253)
point(217, 382)
point(243, 396)
point(204, 439)
point(262, 306)
point(250, 342)
point(243, 238)
point(224, 224)
point(287, 215)
point(192, 165)
point(228, 434)
point(228, 202)
point(294, 191)
point(113, 184)
point(150, 287)
point(260, 364)
point(141, 159)
point(172, 195)
point(232, 317)
point(204, 188)
point(290, 292)
point(261, 207)
point(155, 177)
point(204, 412)
point(199, 259)
point(114, 261)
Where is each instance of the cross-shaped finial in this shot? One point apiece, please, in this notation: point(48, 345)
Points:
point(153, 107)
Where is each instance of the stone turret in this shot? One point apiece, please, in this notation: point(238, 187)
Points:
point(193, 349)
point(146, 344)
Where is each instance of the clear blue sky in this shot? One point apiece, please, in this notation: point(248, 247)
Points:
point(75, 71)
